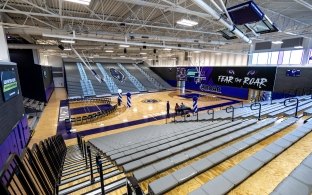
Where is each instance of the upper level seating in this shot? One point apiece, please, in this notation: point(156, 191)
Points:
point(74, 88)
point(153, 75)
point(125, 85)
point(81, 81)
point(86, 84)
point(100, 88)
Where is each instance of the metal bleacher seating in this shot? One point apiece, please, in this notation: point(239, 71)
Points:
point(108, 80)
point(149, 84)
point(100, 88)
point(299, 181)
point(157, 82)
point(268, 110)
point(235, 175)
point(153, 75)
point(86, 84)
point(81, 81)
point(73, 80)
point(125, 85)
point(133, 79)
point(148, 152)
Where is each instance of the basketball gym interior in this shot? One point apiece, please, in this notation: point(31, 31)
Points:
point(150, 97)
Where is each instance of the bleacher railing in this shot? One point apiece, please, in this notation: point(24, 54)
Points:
point(134, 80)
point(108, 80)
point(86, 84)
point(150, 78)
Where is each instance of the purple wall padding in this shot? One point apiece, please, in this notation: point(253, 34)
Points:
point(16, 141)
point(49, 91)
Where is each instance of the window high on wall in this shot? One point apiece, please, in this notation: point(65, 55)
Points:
point(292, 57)
point(310, 57)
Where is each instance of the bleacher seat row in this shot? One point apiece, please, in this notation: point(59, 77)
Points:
point(81, 81)
point(268, 110)
point(298, 182)
point(235, 175)
point(184, 174)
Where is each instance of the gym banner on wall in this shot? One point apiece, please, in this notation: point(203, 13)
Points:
point(203, 82)
point(260, 78)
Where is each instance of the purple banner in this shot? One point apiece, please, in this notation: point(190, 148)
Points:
point(203, 82)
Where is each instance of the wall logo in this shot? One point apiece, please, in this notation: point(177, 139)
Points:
point(249, 80)
point(210, 88)
point(117, 75)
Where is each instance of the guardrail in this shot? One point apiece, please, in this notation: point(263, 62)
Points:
point(288, 105)
point(256, 106)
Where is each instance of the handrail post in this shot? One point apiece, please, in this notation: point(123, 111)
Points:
point(82, 147)
point(85, 153)
point(99, 164)
point(211, 113)
point(252, 108)
point(242, 104)
point(297, 104)
point(90, 161)
point(229, 111)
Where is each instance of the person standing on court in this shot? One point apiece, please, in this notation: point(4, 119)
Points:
point(168, 108)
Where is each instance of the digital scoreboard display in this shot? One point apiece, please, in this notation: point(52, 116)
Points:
point(9, 84)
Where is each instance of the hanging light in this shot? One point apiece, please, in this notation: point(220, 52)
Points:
point(84, 2)
point(186, 22)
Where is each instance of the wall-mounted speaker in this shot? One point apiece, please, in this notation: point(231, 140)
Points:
point(61, 47)
point(186, 56)
point(155, 50)
point(125, 50)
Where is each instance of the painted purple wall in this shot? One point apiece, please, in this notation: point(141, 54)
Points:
point(49, 91)
point(16, 141)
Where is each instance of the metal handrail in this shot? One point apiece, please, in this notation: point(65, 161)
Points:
point(288, 105)
point(230, 111)
point(211, 113)
point(258, 107)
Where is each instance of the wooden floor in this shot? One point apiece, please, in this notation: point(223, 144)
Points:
point(262, 182)
point(141, 110)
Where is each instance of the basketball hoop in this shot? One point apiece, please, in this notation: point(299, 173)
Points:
point(197, 61)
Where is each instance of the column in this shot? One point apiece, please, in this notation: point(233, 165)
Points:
point(4, 51)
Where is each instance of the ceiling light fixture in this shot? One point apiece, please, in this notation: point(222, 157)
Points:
point(197, 51)
point(143, 53)
point(109, 51)
point(84, 2)
point(122, 56)
point(167, 49)
point(186, 22)
point(124, 46)
point(290, 33)
point(68, 41)
point(67, 49)
point(277, 42)
point(298, 47)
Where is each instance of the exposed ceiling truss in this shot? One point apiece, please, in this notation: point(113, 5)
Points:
point(152, 22)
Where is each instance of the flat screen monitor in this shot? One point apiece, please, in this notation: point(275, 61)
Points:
point(9, 85)
point(293, 73)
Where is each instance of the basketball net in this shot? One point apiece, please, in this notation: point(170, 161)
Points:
point(198, 63)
